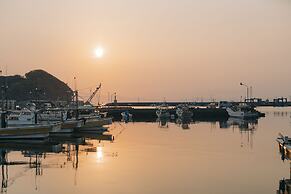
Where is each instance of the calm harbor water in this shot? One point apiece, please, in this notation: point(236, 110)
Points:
point(204, 157)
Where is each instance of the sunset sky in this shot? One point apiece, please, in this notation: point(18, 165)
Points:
point(153, 49)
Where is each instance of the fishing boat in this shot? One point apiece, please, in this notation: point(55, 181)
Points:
point(163, 112)
point(92, 119)
point(59, 115)
point(21, 117)
point(183, 111)
point(126, 116)
point(94, 122)
point(22, 124)
point(68, 127)
point(26, 117)
point(242, 111)
point(72, 124)
point(36, 131)
point(67, 124)
point(87, 110)
point(52, 114)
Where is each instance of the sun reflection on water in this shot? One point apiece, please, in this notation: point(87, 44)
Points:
point(99, 153)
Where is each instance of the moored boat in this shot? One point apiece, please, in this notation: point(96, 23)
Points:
point(183, 111)
point(72, 124)
point(91, 123)
point(163, 112)
point(21, 117)
point(38, 131)
point(126, 116)
point(68, 127)
point(52, 114)
point(284, 143)
point(242, 111)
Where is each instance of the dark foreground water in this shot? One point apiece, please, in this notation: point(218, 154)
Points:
point(209, 157)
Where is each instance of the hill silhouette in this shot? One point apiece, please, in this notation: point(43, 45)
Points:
point(36, 84)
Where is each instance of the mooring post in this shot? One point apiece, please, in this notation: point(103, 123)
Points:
point(35, 117)
point(3, 120)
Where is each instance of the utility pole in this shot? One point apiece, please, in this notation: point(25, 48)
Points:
point(247, 87)
point(76, 95)
point(77, 104)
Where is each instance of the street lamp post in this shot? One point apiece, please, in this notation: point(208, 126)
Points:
point(113, 99)
point(247, 87)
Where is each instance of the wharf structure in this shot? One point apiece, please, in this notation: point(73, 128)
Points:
point(149, 113)
point(255, 102)
point(200, 110)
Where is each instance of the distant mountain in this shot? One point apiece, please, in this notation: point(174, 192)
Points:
point(36, 84)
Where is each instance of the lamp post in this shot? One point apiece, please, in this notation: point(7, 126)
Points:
point(114, 100)
point(247, 87)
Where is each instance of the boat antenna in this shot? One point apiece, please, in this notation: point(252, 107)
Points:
point(6, 87)
point(2, 91)
point(99, 96)
point(75, 83)
point(76, 98)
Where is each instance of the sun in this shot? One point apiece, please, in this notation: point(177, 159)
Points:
point(99, 52)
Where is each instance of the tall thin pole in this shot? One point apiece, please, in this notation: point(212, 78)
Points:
point(2, 94)
point(77, 104)
point(76, 98)
point(247, 87)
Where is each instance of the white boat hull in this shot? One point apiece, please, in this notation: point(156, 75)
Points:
point(29, 132)
point(241, 114)
point(91, 123)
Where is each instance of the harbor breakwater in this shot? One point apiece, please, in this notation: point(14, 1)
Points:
point(150, 113)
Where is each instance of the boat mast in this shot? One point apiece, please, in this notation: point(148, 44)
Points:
point(76, 94)
point(77, 104)
point(4, 102)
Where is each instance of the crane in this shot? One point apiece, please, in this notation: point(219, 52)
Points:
point(93, 94)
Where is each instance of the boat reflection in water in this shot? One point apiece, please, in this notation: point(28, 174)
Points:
point(241, 124)
point(246, 127)
point(285, 184)
point(184, 123)
point(163, 122)
point(32, 151)
point(36, 154)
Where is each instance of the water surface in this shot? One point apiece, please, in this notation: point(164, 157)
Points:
point(209, 157)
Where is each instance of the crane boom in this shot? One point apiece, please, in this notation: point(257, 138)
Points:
point(93, 94)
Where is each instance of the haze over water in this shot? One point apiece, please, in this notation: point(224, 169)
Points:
point(153, 48)
point(209, 157)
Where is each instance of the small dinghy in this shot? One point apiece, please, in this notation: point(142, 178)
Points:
point(284, 143)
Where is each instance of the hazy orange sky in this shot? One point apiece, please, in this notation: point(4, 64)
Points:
point(179, 50)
